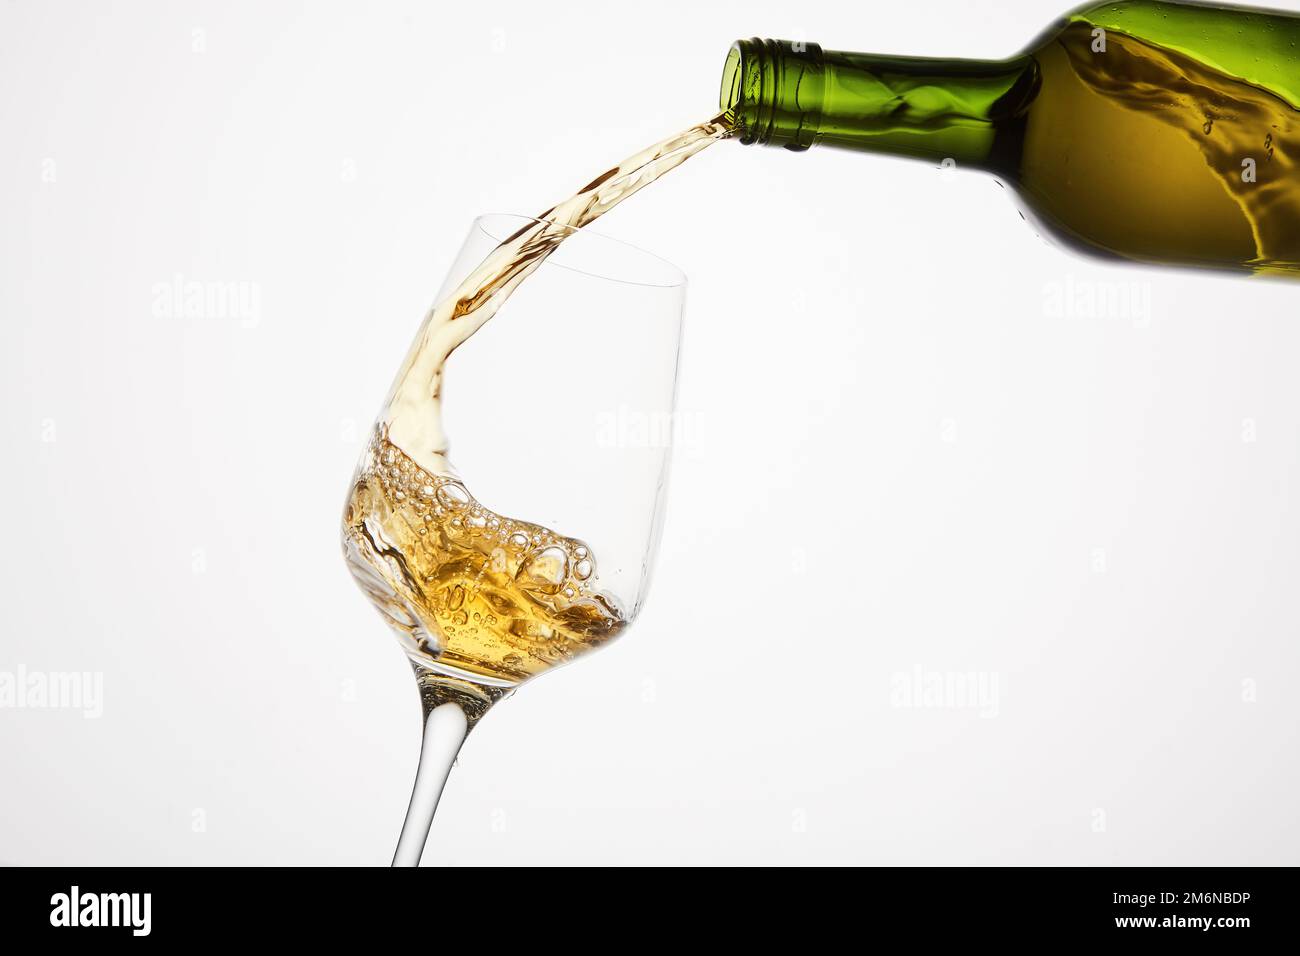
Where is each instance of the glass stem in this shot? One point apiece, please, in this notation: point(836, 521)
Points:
point(451, 709)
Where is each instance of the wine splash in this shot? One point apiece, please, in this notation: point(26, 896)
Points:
point(472, 594)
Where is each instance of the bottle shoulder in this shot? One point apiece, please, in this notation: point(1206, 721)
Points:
point(1251, 43)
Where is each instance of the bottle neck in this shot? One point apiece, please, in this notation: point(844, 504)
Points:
point(796, 95)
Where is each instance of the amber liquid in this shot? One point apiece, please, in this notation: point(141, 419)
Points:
point(470, 592)
point(1156, 156)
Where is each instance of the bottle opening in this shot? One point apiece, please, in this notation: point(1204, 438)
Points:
point(729, 95)
point(773, 89)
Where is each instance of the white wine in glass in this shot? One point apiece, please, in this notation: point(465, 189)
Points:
point(542, 550)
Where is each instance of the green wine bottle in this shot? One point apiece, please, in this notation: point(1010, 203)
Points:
point(1154, 131)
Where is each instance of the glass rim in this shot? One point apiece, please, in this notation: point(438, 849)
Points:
point(670, 276)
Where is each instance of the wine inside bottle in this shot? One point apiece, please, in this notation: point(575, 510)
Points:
point(1154, 131)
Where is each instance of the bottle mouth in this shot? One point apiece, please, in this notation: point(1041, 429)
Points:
point(773, 90)
point(729, 95)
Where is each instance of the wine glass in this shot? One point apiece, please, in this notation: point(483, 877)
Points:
point(537, 546)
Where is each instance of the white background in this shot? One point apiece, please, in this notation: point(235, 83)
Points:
point(940, 472)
